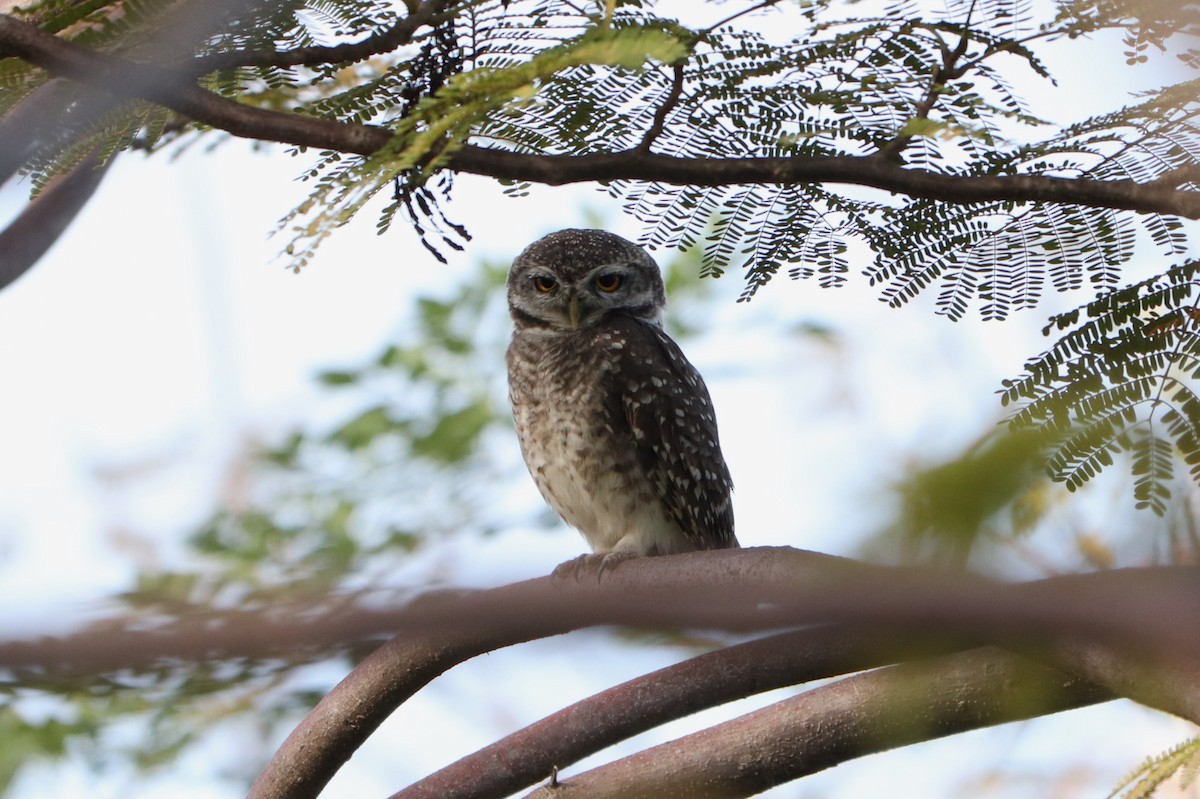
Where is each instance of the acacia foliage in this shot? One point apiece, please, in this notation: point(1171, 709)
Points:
point(921, 86)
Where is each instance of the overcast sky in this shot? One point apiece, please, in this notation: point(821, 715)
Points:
point(162, 331)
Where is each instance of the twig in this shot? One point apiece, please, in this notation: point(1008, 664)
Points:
point(948, 71)
point(664, 109)
point(403, 32)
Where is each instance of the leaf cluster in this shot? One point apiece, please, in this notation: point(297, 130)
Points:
point(923, 84)
point(1122, 377)
point(1182, 760)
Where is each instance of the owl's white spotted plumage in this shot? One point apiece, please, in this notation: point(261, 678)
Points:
point(616, 426)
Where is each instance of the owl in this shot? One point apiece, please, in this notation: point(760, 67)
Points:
point(616, 426)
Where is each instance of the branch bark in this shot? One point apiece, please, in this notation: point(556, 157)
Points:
point(853, 717)
point(530, 754)
point(759, 589)
point(38, 226)
point(175, 89)
point(1136, 610)
point(1132, 619)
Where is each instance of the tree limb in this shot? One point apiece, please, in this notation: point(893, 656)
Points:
point(354, 709)
point(528, 755)
point(760, 589)
point(823, 727)
point(44, 219)
point(1134, 611)
point(174, 89)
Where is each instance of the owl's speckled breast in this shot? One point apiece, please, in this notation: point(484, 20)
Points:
point(571, 439)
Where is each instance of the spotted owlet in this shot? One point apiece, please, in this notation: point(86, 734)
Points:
point(616, 426)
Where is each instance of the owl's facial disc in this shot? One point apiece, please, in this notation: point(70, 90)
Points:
point(577, 296)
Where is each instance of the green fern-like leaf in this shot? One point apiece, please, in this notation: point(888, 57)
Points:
point(927, 84)
point(1122, 379)
point(1143, 781)
point(441, 123)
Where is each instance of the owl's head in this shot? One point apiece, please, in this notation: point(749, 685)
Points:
point(573, 279)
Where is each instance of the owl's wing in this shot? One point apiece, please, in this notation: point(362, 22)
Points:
point(664, 402)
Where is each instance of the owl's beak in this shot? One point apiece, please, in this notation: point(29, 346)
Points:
point(573, 312)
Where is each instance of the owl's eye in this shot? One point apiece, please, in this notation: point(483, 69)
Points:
point(544, 283)
point(608, 282)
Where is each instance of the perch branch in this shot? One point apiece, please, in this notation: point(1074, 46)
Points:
point(760, 589)
point(1128, 610)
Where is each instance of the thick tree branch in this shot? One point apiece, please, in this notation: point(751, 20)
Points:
point(759, 589)
point(528, 755)
point(857, 716)
point(174, 89)
point(351, 712)
point(1134, 611)
point(44, 219)
point(1125, 611)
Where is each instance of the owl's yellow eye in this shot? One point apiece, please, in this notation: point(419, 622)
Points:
point(608, 282)
point(544, 283)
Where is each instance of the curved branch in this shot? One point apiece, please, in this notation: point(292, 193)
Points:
point(43, 220)
point(174, 89)
point(761, 588)
point(528, 755)
point(1129, 610)
point(351, 712)
point(853, 717)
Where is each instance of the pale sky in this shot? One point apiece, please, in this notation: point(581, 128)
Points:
point(161, 331)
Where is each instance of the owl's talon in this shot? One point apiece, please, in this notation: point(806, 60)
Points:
point(611, 560)
point(584, 565)
point(574, 568)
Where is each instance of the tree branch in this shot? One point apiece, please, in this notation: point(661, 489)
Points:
point(174, 89)
point(351, 712)
point(44, 219)
point(853, 717)
point(403, 32)
point(1123, 611)
point(528, 755)
point(942, 75)
point(760, 589)
point(658, 124)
